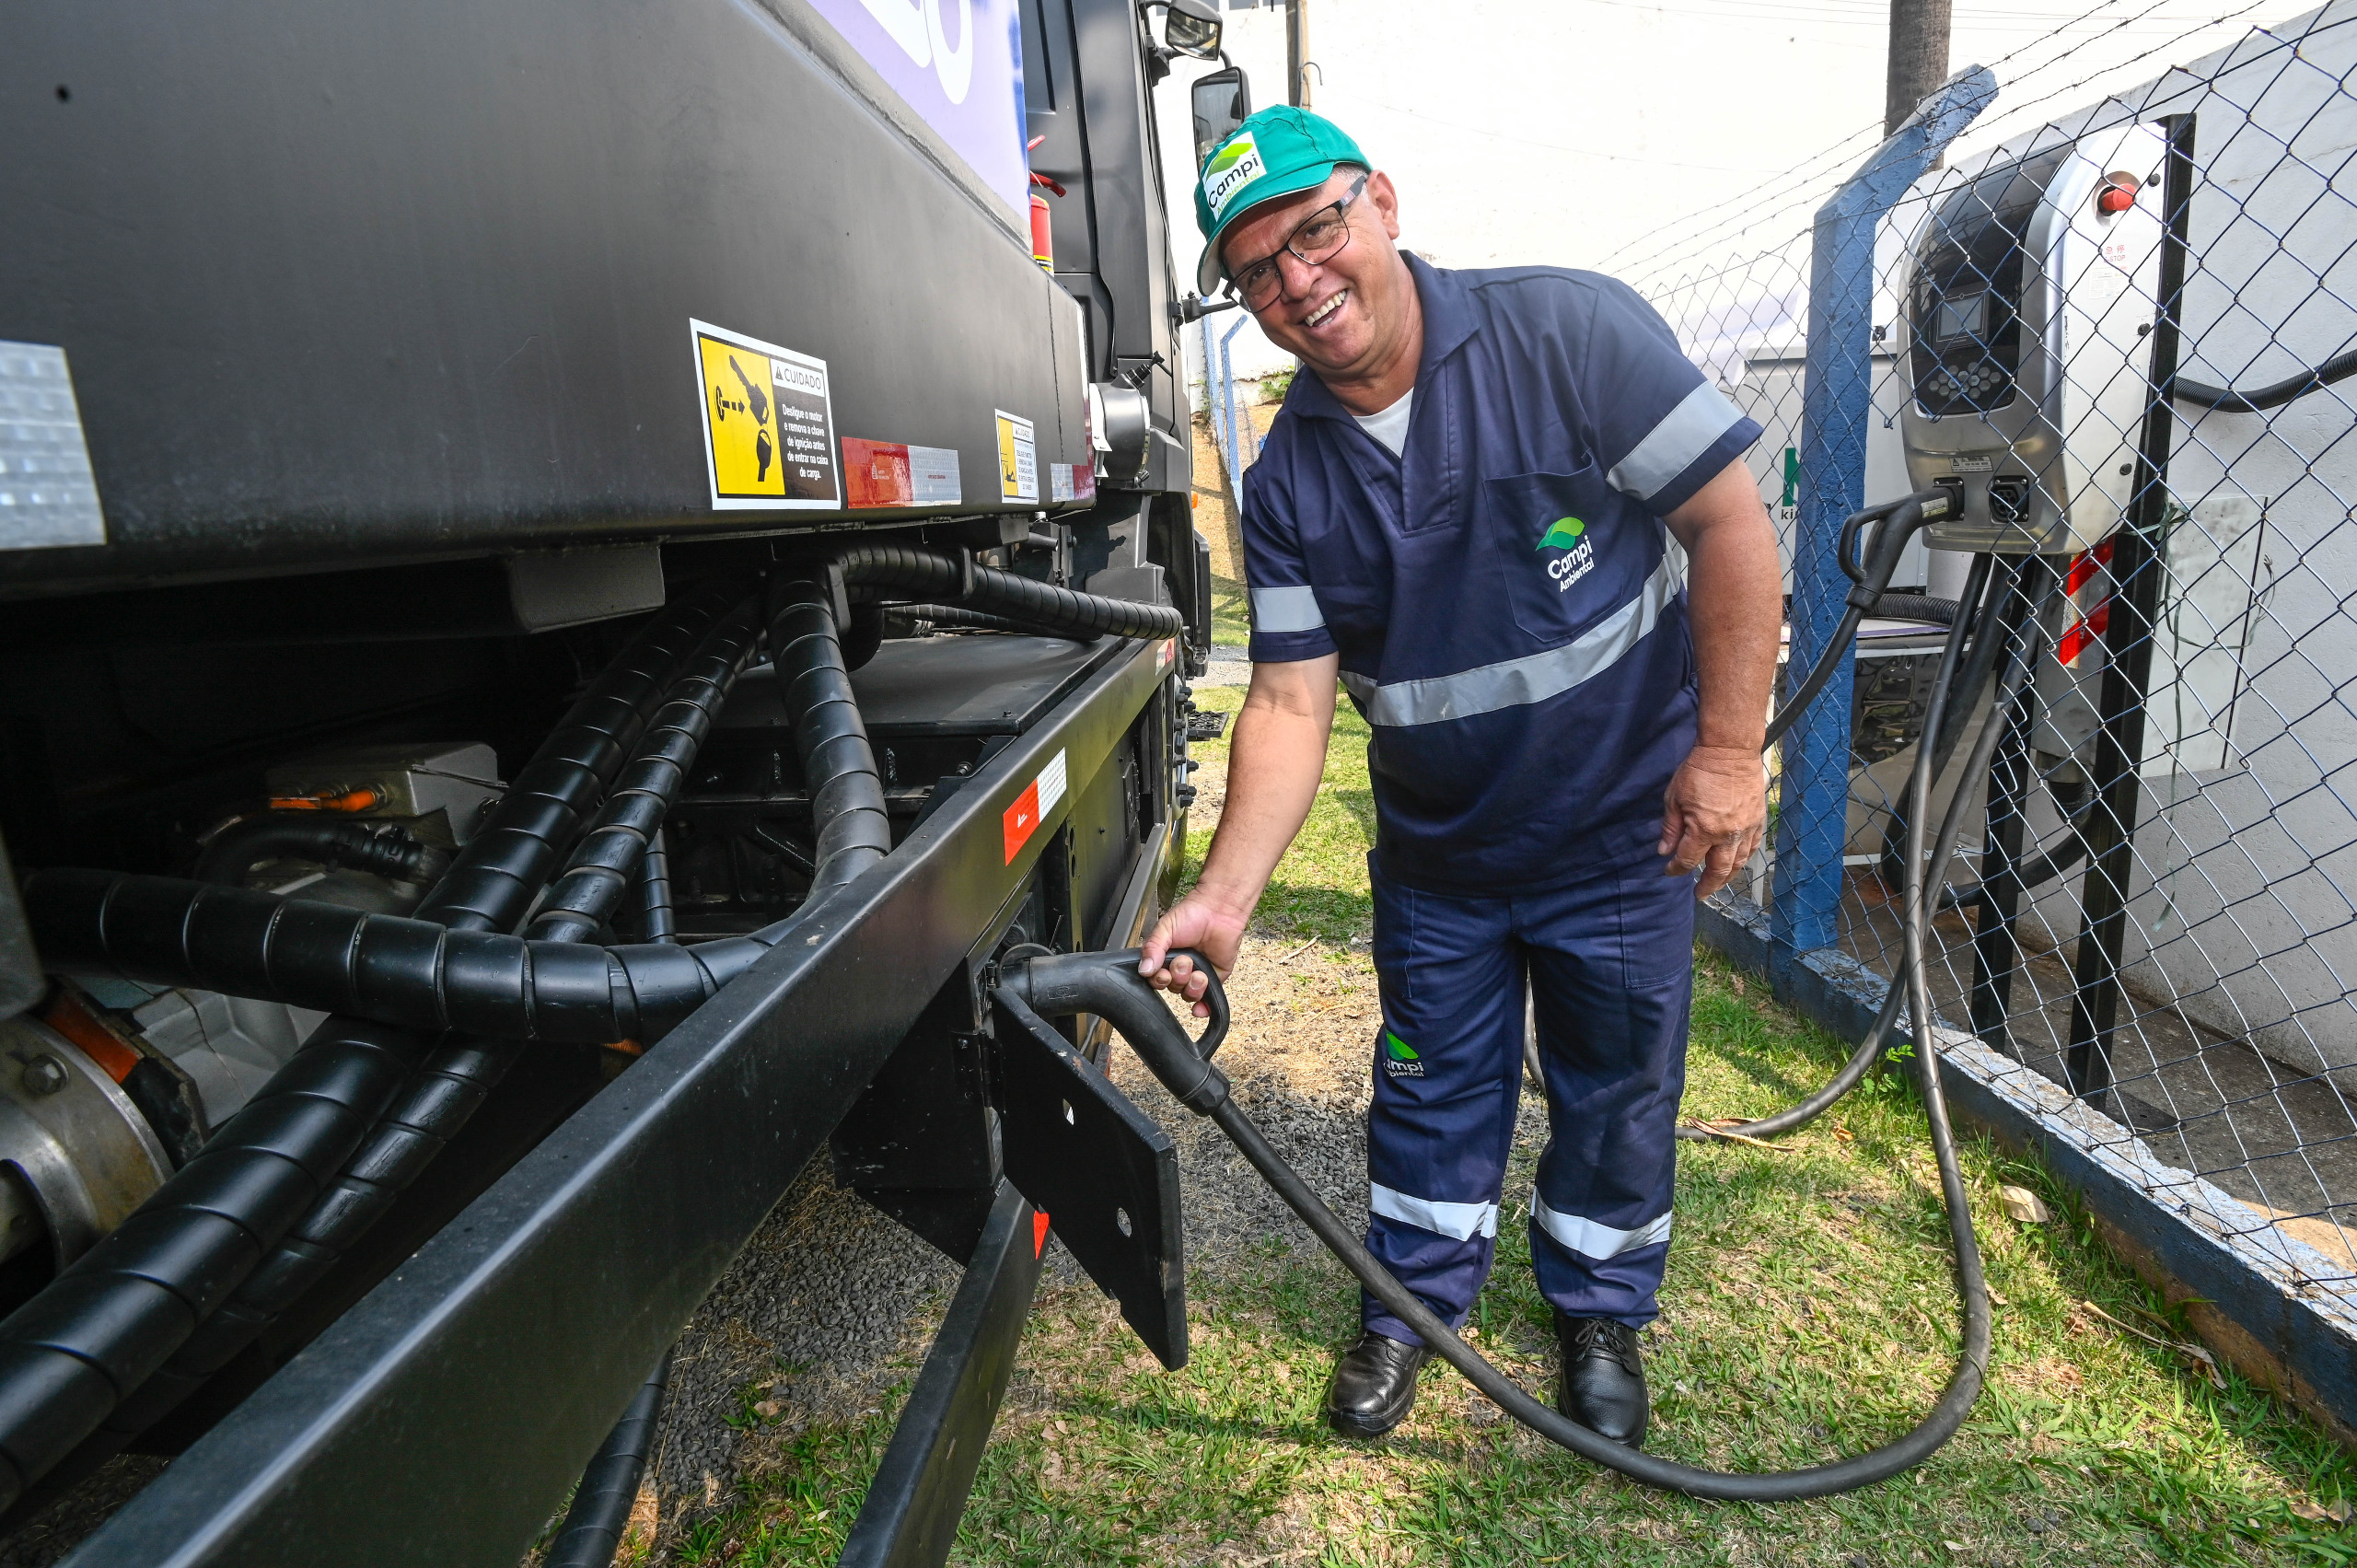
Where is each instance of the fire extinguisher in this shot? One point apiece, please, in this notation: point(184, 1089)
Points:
point(1043, 233)
point(1043, 239)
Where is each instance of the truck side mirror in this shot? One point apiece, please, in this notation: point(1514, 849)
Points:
point(1191, 26)
point(1222, 100)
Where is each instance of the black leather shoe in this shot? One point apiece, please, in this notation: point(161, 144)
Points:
point(1602, 1384)
point(1374, 1385)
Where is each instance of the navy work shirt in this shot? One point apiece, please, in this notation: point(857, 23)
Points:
point(1501, 597)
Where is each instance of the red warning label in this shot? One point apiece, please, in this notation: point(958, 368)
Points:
point(888, 473)
point(1030, 808)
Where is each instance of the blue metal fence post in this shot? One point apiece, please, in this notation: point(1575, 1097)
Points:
point(1836, 401)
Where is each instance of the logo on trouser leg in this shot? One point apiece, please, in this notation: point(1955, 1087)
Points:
point(1400, 1058)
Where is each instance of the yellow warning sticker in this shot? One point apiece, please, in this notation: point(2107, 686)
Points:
point(1019, 457)
point(768, 425)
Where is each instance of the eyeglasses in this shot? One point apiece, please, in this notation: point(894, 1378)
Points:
point(1320, 238)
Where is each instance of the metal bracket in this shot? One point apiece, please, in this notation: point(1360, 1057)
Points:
point(1105, 1175)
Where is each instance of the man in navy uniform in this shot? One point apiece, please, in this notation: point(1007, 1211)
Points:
point(1462, 511)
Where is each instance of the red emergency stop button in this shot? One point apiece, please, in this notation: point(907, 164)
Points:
point(2119, 194)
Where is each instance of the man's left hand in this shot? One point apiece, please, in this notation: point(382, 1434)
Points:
point(1713, 813)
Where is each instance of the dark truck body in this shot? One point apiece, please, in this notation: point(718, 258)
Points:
point(381, 329)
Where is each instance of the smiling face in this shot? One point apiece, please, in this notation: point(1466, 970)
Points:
point(1354, 319)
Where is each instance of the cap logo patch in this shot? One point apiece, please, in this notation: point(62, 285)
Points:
point(1232, 167)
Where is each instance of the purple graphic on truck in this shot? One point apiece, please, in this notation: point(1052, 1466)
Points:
point(960, 64)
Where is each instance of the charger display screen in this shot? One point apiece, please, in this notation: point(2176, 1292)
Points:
point(1961, 316)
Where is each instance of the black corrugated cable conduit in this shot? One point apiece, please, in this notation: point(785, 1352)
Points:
point(656, 922)
point(956, 618)
point(927, 575)
point(71, 1355)
point(609, 850)
point(446, 1091)
point(593, 1526)
point(388, 849)
point(411, 972)
point(848, 827)
point(1916, 607)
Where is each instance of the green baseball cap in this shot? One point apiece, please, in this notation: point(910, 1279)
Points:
point(1277, 152)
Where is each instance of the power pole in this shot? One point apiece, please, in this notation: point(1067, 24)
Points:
point(1298, 49)
point(1919, 57)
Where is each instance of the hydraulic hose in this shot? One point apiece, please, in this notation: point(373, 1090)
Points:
point(925, 573)
point(386, 849)
point(1109, 985)
point(2225, 399)
point(73, 1353)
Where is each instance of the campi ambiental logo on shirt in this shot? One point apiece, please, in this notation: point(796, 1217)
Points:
point(1232, 167)
point(1400, 1058)
point(1579, 557)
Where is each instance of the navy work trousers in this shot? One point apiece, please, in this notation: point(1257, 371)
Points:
point(1610, 965)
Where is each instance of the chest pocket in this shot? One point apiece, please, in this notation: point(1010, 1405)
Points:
point(1568, 548)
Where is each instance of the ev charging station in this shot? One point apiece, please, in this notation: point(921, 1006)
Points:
point(2027, 319)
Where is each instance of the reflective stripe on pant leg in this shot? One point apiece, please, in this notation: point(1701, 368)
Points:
point(1590, 1240)
point(1442, 1119)
point(1611, 974)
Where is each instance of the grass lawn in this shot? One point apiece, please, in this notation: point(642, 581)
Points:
point(1808, 1312)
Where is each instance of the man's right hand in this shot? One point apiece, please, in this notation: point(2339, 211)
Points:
point(1275, 756)
point(1212, 927)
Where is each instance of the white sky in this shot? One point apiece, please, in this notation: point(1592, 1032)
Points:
point(1563, 131)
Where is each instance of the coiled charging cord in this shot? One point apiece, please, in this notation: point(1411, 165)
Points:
point(1109, 985)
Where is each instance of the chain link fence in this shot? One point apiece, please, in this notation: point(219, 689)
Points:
point(2113, 339)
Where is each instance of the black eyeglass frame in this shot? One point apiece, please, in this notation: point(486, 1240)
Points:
point(1340, 209)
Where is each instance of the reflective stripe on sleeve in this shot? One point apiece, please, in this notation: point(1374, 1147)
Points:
point(1461, 1222)
point(1286, 610)
point(1670, 448)
point(1531, 678)
point(1590, 1240)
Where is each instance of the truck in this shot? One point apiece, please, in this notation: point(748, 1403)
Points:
point(573, 576)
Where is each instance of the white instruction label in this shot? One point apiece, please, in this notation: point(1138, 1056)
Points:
point(932, 476)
